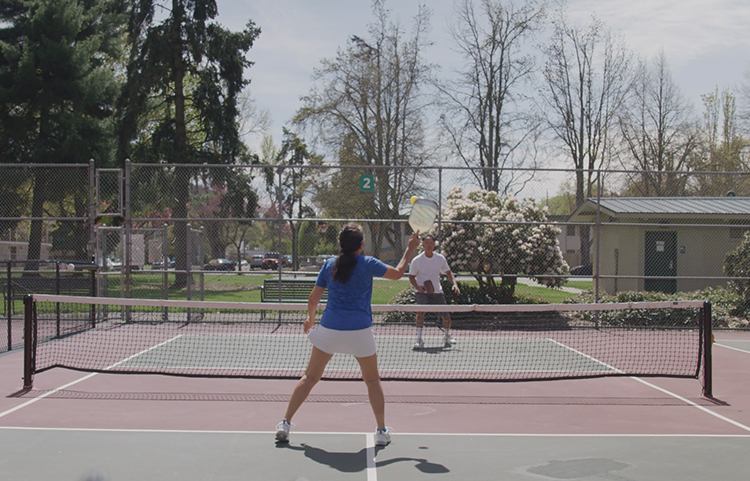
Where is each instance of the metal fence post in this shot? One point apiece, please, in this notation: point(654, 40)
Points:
point(128, 225)
point(9, 305)
point(708, 339)
point(597, 236)
point(92, 207)
point(28, 348)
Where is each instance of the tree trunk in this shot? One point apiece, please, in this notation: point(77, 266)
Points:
point(36, 231)
point(182, 179)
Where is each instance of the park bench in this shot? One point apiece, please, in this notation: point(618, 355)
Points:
point(68, 286)
point(287, 290)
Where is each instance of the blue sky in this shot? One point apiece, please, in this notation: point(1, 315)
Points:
point(706, 42)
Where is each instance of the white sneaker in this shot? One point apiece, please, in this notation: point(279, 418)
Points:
point(448, 340)
point(282, 431)
point(382, 438)
point(419, 344)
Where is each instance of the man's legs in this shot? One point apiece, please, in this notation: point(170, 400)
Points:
point(421, 299)
point(448, 340)
point(420, 326)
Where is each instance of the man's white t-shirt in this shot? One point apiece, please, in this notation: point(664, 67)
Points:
point(429, 268)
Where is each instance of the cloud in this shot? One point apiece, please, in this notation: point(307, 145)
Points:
point(705, 41)
point(685, 29)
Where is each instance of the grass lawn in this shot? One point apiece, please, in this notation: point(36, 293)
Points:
point(246, 288)
point(552, 296)
point(583, 285)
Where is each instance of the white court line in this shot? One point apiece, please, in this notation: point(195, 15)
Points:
point(353, 433)
point(585, 355)
point(676, 396)
point(732, 348)
point(89, 376)
point(372, 473)
point(32, 401)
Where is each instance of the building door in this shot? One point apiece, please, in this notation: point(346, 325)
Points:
point(661, 261)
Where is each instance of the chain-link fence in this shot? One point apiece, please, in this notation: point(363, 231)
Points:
point(196, 232)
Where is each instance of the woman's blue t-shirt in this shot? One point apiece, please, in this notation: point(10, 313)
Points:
point(348, 306)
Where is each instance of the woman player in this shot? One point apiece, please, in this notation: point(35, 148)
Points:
point(346, 324)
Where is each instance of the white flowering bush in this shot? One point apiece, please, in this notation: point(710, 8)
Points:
point(491, 235)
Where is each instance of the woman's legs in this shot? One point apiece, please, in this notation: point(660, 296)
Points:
point(313, 373)
point(371, 376)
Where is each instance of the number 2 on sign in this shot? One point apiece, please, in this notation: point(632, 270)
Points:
point(366, 183)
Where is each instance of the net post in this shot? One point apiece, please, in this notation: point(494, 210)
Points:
point(708, 339)
point(28, 344)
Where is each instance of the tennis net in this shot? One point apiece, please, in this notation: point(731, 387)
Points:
point(265, 340)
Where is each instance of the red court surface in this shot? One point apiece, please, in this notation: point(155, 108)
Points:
point(81, 426)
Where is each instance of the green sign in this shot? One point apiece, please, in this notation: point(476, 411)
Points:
point(366, 182)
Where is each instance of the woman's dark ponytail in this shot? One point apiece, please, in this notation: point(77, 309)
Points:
point(350, 240)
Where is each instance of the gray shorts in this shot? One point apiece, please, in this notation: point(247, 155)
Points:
point(432, 298)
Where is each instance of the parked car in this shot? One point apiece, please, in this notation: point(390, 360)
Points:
point(220, 265)
point(114, 263)
point(256, 262)
point(160, 264)
point(271, 260)
point(584, 270)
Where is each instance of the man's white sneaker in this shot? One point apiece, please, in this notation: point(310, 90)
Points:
point(419, 344)
point(282, 431)
point(382, 437)
point(448, 340)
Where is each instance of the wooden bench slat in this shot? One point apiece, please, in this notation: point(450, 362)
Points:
point(291, 290)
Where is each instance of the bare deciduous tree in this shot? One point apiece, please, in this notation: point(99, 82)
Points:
point(658, 133)
point(722, 148)
point(486, 124)
point(585, 84)
point(744, 102)
point(368, 102)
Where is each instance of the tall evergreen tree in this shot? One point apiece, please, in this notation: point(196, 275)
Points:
point(182, 63)
point(57, 92)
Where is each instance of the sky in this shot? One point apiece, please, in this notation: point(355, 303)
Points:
point(706, 42)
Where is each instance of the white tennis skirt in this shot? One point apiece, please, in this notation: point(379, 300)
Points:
point(359, 343)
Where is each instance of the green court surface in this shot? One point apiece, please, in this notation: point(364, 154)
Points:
point(109, 455)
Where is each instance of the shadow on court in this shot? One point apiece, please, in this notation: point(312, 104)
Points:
point(355, 462)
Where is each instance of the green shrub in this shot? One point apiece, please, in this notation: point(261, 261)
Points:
point(728, 308)
point(470, 294)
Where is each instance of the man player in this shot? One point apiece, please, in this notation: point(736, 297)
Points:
point(424, 275)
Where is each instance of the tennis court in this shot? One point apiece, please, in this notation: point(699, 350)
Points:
point(102, 426)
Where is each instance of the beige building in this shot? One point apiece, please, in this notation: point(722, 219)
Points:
point(19, 250)
point(680, 242)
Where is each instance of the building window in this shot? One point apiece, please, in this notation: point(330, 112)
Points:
point(571, 231)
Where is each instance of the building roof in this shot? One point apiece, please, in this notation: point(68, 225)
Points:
point(664, 207)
